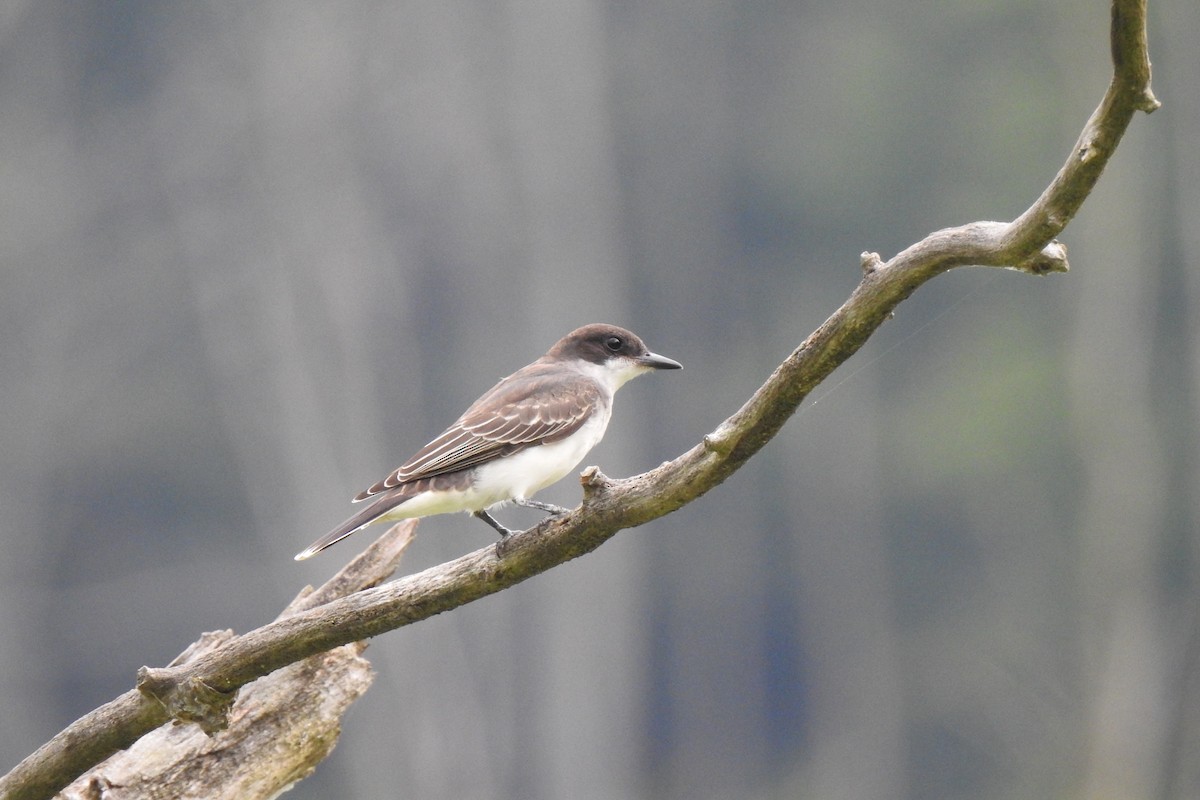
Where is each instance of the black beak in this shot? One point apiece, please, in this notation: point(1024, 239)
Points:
point(655, 361)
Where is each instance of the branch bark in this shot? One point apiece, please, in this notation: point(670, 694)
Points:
point(202, 686)
point(282, 727)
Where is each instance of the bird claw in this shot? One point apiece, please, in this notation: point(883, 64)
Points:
point(507, 534)
point(549, 508)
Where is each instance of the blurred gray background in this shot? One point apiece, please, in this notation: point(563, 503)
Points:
point(254, 255)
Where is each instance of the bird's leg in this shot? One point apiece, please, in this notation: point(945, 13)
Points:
point(504, 532)
point(490, 520)
point(549, 508)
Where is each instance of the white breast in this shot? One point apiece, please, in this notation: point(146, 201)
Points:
point(535, 468)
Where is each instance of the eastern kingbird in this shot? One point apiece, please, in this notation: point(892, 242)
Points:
point(525, 433)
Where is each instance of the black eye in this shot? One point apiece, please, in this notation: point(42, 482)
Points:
point(614, 344)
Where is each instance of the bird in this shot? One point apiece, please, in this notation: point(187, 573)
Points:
point(522, 435)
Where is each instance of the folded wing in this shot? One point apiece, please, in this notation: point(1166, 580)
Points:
point(534, 406)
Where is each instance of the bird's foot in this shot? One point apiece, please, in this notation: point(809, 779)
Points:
point(507, 534)
point(549, 508)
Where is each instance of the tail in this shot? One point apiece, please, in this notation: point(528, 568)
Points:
point(382, 504)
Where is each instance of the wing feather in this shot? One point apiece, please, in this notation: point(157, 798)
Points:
point(535, 405)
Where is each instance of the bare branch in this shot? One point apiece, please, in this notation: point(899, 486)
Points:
point(200, 687)
point(120, 723)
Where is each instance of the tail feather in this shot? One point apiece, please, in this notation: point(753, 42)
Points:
point(382, 504)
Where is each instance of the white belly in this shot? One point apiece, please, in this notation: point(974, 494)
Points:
point(517, 476)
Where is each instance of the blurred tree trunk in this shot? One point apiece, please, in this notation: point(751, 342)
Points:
point(1180, 561)
point(1137, 440)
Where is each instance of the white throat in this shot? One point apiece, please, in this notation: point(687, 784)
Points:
point(613, 373)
